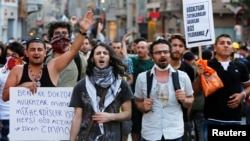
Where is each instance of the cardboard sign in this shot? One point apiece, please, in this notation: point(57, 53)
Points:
point(44, 115)
point(198, 22)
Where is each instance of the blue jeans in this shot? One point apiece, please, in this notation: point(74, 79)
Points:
point(162, 139)
point(5, 130)
point(247, 114)
point(197, 117)
point(211, 122)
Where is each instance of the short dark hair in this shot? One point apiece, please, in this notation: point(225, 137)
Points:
point(36, 39)
point(189, 56)
point(177, 36)
point(159, 41)
point(57, 24)
point(207, 54)
point(220, 36)
point(244, 48)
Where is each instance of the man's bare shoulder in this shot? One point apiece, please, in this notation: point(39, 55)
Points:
point(18, 68)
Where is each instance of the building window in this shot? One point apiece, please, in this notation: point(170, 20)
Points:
point(112, 30)
point(124, 3)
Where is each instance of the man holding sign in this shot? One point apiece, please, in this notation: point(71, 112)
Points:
point(35, 73)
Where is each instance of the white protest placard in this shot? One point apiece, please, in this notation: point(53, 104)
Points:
point(198, 22)
point(44, 115)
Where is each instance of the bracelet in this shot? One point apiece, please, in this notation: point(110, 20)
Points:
point(245, 94)
point(82, 33)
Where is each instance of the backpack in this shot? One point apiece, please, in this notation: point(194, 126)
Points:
point(175, 78)
point(176, 84)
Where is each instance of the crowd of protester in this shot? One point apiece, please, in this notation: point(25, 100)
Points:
point(97, 67)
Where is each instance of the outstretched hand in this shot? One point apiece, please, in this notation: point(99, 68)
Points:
point(126, 36)
point(86, 22)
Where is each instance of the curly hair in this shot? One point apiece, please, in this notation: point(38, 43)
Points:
point(58, 24)
point(116, 62)
point(15, 47)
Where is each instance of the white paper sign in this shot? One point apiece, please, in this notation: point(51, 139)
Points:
point(198, 22)
point(41, 116)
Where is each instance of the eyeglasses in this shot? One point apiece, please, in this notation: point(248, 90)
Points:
point(12, 55)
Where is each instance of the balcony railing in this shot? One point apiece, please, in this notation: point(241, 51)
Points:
point(170, 5)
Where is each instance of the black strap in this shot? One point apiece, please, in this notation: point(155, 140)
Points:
point(77, 60)
point(149, 82)
point(101, 102)
point(176, 82)
point(175, 78)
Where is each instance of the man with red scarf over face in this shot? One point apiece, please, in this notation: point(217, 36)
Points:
point(14, 56)
point(59, 35)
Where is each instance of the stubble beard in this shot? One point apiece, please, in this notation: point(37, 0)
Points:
point(175, 57)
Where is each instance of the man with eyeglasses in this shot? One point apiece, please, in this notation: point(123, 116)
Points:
point(162, 118)
point(59, 34)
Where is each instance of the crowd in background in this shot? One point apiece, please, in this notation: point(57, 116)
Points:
point(139, 115)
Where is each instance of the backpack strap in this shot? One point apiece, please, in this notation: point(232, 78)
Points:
point(77, 60)
point(176, 82)
point(149, 82)
point(101, 102)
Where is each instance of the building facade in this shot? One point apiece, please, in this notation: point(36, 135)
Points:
point(8, 19)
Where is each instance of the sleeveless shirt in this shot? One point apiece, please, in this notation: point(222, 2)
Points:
point(45, 79)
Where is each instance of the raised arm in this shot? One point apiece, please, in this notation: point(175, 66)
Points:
point(59, 63)
point(124, 46)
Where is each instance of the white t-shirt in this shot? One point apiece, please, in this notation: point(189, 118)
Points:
point(164, 119)
point(4, 106)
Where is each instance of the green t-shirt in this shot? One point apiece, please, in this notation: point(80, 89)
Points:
point(140, 66)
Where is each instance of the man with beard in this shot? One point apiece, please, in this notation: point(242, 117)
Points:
point(35, 73)
point(59, 33)
point(162, 118)
point(177, 51)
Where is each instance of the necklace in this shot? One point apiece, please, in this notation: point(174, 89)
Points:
point(36, 77)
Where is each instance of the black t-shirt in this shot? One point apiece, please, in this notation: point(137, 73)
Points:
point(232, 78)
point(81, 98)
